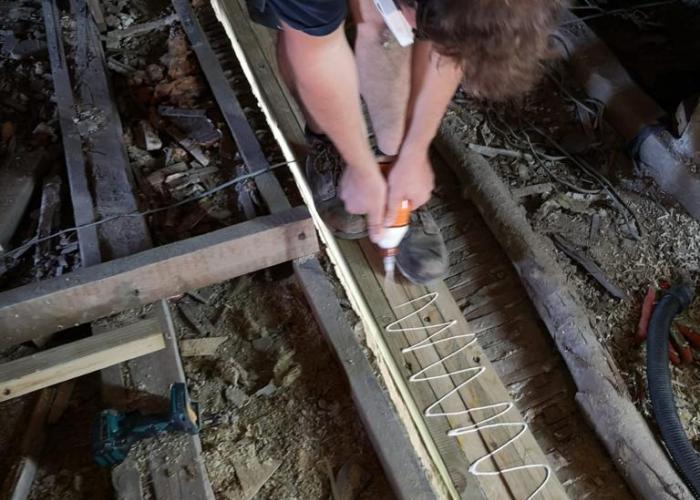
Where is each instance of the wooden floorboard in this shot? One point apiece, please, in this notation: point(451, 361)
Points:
point(451, 456)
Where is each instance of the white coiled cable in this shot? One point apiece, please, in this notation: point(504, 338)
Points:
point(432, 411)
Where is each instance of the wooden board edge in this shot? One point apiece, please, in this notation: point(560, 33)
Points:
point(78, 358)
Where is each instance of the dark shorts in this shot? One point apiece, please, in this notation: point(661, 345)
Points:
point(314, 17)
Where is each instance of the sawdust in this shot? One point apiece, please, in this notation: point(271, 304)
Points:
point(273, 394)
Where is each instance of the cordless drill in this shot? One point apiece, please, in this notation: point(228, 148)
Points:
point(115, 432)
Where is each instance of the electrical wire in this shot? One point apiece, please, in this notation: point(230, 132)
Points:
point(608, 187)
point(34, 241)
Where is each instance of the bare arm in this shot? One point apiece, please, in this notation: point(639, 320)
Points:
point(325, 75)
point(434, 82)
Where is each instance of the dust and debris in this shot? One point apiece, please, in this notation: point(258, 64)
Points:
point(200, 347)
point(283, 404)
point(278, 421)
point(173, 159)
point(29, 127)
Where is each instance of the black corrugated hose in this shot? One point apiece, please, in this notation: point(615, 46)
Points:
point(684, 456)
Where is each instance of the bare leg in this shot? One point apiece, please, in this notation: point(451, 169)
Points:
point(288, 77)
point(385, 76)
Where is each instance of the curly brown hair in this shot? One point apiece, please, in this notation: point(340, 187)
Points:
point(498, 43)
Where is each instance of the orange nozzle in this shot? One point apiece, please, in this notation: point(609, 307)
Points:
point(403, 215)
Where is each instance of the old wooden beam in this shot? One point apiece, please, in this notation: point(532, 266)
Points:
point(50, 367)
point(81, 198)
point(103, 143)
point(243, 134)
point(97, 291)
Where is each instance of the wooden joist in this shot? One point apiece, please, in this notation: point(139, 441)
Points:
point(97, 291)
point(232, 111)
point(110, 177)
point(50, 367)
point(81, 198)
point(450, 460)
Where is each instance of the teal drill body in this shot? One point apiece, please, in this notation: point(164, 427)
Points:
point(116, 432)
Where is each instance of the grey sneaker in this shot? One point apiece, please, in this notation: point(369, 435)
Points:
point(324, 166)
point(422, 254)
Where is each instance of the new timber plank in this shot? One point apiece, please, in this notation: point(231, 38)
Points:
point(444, 455)
point(97, 291)
point(50, 367)
point(404, 470)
